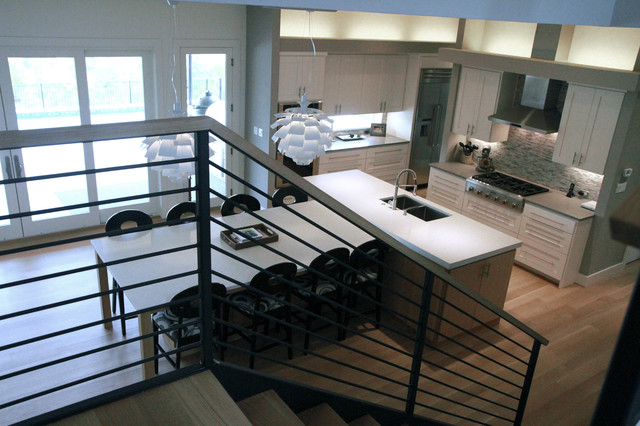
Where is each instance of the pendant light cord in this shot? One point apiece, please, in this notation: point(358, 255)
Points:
point(174, 30)
point(312, 44)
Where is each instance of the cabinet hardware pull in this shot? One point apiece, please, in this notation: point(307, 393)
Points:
point(580, 160)
point(7, 163)
point(574, 158)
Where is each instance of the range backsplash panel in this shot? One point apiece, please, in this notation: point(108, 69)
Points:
point(528, 155)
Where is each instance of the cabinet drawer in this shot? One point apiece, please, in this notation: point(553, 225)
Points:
point(533, 229)
point(388, 151)
point(550, 219)
point(339, 166)
point(387, 174)
point(347, 155)
point(445, 189)
point(496, 216)
point(543, 260)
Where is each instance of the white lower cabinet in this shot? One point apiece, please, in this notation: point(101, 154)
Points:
point(446, 189)
point(383, 162)
point(552, 244)
point(492, 214)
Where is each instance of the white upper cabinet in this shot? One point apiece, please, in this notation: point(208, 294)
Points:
point(478, 97)
point(587, 127)
point(301, 73)
point(383, 83)
point(343, 84)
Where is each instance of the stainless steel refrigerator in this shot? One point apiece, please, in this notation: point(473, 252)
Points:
point(428, 125)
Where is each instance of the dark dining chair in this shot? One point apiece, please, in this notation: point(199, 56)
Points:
point(178, 323)
point(268, 293)
point(118, 222)
point(323, 281)
point(180, 210)
point(364, 275)
point(288, 195)
point(238, 203)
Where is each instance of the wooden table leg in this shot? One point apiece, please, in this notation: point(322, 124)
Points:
point(103, 285)
point(146, 345)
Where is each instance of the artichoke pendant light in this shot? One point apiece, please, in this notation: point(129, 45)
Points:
point(304, 132)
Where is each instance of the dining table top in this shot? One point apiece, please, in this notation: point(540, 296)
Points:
point(229, 268)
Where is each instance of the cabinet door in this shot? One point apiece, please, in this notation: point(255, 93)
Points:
point(312, 76)
point(331, 101)
point(445, 189)
point(289, 84)
point(467, 100)
point(350, 84)
point(595, 148)
point(487, 105)
point(394, 79)
point(573, 124)
point(372, 82)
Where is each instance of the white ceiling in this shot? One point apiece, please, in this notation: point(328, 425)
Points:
point(603, 13)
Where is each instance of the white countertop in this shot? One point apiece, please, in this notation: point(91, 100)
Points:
point(553, 200)
point(366, 142)
point(451, 242)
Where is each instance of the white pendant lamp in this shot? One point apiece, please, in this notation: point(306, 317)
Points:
point(165, 148)
point(304, 132)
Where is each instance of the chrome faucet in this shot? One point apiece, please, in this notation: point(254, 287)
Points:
point(395, 192)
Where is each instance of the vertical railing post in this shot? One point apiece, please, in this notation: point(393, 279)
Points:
point(203, 236)
point(528, 379)
point(418, 348)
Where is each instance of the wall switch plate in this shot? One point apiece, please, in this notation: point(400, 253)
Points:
point(259, 131)
point(621, 187)
point(255, 130)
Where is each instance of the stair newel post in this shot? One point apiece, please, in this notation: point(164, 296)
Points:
point(528, 379)
point(204, 244)
point(418, 349)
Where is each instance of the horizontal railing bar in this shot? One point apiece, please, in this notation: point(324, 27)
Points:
point(344, 287)
point(95, 266)
point(85, 172)
point(485, 325)
point(473, 395)
point(284, 323)
point(314, 372)
point(448, 413)
point(14, 139)
point(253, 152)
point(462, 404)
point(245, 286)
point(469, 333)
point(93, 203)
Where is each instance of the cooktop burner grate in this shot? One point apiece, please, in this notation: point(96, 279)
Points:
point(510, 183)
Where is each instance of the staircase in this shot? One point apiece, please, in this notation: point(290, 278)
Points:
point(200, 399)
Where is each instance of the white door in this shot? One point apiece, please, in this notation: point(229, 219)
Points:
point(208, 72)
point(9, 228)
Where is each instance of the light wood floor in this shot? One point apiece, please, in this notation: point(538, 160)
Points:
point(581, 324)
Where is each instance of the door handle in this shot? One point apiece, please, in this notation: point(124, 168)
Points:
point(8, 167)
point(437, 114)
point(18, 166)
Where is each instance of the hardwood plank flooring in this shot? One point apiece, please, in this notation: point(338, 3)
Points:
point(581, 323)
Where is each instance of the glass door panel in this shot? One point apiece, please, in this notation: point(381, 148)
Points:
point(207, 87)
point(45, 92)
point(9, 228)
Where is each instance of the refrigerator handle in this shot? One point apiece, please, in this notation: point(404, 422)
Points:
point(8, 166)
point(437, 114)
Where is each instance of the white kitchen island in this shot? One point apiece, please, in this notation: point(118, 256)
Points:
point(479, 256)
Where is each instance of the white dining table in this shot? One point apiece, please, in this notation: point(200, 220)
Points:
point(110, 249)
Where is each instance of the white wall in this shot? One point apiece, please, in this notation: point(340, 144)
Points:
point(605, 47)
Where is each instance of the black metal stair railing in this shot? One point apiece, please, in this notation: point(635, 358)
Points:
point(421, 361)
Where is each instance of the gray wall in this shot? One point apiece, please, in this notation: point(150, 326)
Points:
point(263, 63)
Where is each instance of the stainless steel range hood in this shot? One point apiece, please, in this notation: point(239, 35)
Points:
point(537, 110)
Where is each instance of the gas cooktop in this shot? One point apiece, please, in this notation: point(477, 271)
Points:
point(510, 183)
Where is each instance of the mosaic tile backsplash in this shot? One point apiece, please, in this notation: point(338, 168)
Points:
point(528, 155)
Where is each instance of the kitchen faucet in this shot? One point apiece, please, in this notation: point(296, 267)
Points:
point(395, 191)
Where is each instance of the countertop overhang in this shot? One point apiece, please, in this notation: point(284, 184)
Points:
point(450, 242)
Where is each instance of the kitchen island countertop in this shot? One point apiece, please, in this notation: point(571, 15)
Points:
point(553, 200)
point(451, 242)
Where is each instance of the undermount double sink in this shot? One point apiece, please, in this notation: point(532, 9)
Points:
point(415, 208)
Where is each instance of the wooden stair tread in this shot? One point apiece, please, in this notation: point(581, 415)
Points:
point(365, 420)
point(199, 399)
point(321, 415)
point(267, 408)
